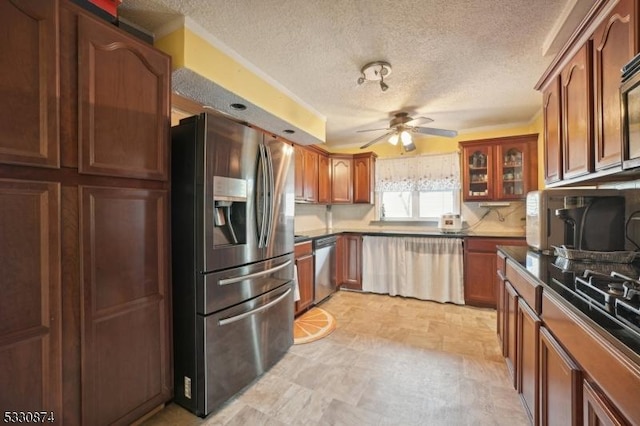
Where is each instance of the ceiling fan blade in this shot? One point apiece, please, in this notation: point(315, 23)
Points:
point(378, 139)
point(434, 131)
point(418, 120)
point(372, 130)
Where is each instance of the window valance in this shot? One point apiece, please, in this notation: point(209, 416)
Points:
point(435, 172)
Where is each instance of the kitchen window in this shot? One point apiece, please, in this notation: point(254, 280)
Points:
point(428, 205)
point(418, 188)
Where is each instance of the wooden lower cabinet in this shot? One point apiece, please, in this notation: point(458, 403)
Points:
point(123, 273)
point(479, 269)
point(304, 265)
point(566, 372)
point(528, 325)
point(500, 307)
point(560, 384)
point(612, 377)
point(30, 306)
point(510, 330)
point(85, 317)
point(597, 410)
point(340, 260)
point(352, 244)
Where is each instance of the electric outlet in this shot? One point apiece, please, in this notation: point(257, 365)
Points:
point(187, 387)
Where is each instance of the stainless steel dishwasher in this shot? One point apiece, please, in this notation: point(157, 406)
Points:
point(325, 267)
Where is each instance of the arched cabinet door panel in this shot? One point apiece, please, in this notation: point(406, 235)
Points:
point(29, 76)
point(123, 111)
point(577, 109)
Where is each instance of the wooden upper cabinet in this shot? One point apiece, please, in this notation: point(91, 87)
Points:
point(614, 44)
point(364, 177)
point(311, 176)
point(306, 174)
point(500, 168)
point(324, 179)
point(341, 179)
point(30, 308)
point(577, 108)
point(123, 111)
point(477, 172)
point(517, 168)
point(29, 75)
point(551, 111)
point(298, 154)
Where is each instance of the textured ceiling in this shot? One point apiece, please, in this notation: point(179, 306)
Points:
point(465, 64)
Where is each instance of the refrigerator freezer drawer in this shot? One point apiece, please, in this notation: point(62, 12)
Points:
point(232, 286)
point(243, 342)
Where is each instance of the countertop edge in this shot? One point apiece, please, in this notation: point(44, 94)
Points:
point(319, 233)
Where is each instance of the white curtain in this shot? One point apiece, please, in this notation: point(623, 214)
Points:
point(425, 268)
point(432, 172)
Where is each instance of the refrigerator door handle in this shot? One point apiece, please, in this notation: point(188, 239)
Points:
point(230, 320)
point(234, 280)
point(271, 196)
point(263, 201)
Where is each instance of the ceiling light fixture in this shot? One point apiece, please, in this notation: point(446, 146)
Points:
point(376, 71)
point(401, 135)
point(405, 137)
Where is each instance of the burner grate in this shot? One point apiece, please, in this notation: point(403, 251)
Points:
point(617, 294)
point(629, 313)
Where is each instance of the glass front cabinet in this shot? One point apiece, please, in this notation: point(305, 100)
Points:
point(478, 173)
point(500, 168)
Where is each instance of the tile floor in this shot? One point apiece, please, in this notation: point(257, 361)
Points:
point(390, 361)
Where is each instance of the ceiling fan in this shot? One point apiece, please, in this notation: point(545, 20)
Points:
point(400, 128)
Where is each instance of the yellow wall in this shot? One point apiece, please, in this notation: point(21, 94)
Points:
point(189, 50)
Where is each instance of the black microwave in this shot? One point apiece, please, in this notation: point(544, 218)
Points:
point(630, 106)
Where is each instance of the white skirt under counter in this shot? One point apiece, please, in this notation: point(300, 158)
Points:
point(422, 267)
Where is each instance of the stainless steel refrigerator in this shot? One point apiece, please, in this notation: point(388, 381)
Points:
point(232, 250)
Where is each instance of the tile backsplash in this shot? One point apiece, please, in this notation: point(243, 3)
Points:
point(511, 219)
point(358, 216)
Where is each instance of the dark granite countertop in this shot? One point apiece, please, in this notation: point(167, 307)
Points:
point(428, 232)
point(549, 271)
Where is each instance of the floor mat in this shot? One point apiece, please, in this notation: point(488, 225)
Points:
point(313, 325)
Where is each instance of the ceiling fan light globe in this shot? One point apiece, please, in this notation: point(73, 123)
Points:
point(393, 140)
point(405, 137)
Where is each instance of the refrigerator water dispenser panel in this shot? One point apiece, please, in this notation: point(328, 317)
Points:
point(230, 204)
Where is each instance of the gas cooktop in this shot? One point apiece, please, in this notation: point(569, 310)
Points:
point(617, 294)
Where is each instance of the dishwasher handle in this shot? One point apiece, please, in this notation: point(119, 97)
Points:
point(324, 242)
